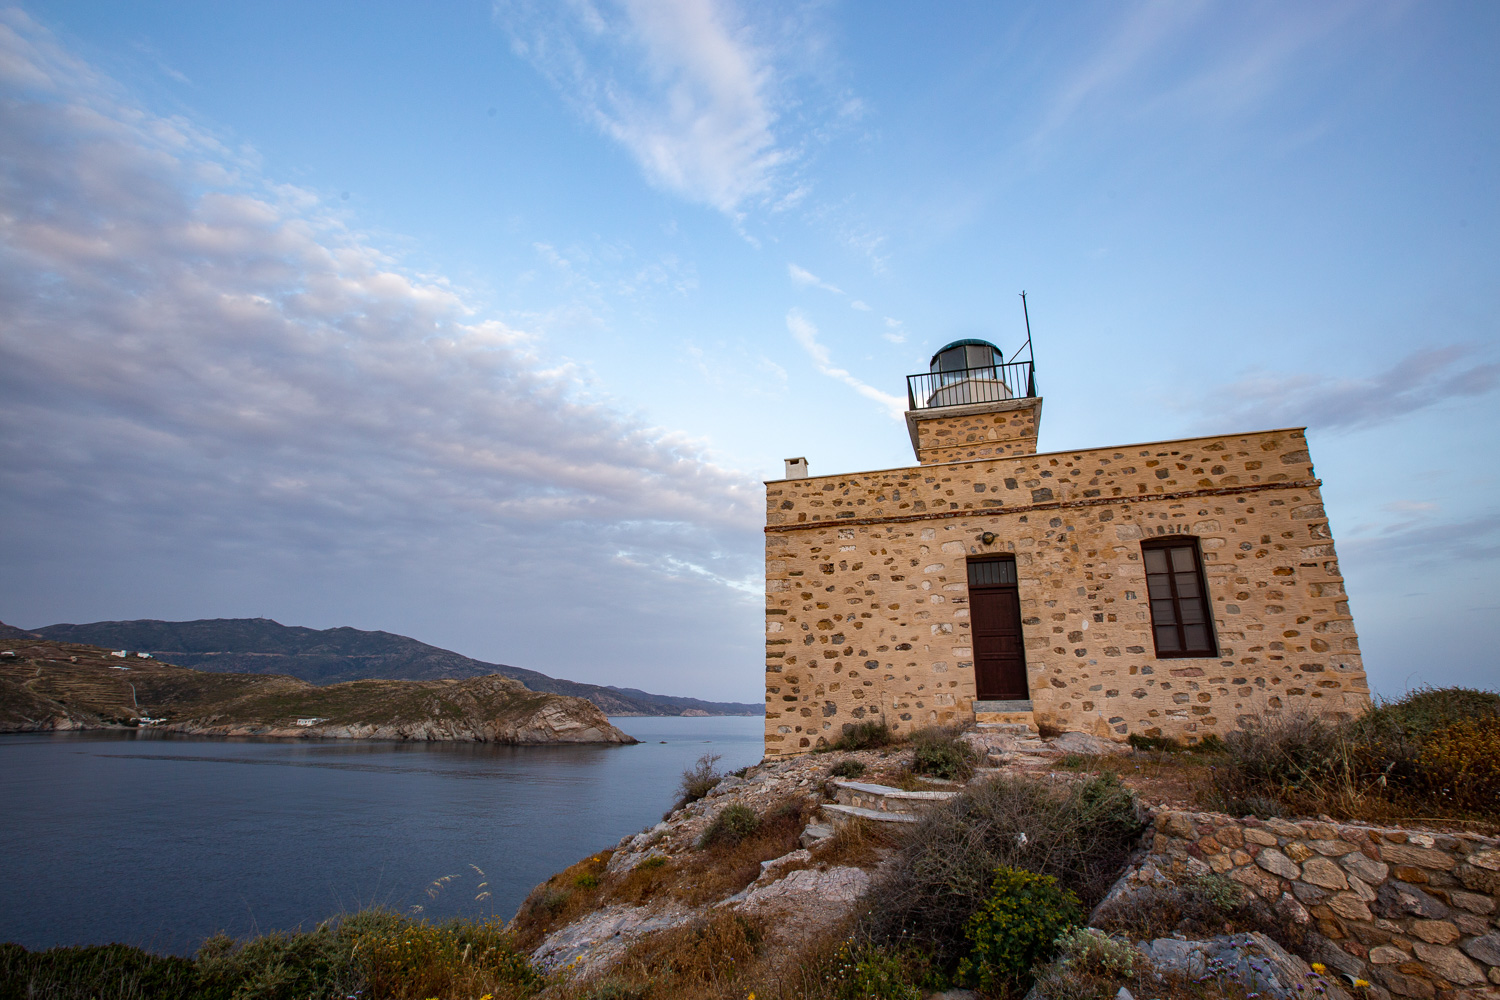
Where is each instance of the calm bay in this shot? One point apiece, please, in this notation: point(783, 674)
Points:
point(160, 841)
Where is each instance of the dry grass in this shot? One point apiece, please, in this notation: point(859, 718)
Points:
point(707, 958)
point(858, 843)
point(693, 877)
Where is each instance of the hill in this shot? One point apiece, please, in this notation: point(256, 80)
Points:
point(336, 655)
point(47, 685)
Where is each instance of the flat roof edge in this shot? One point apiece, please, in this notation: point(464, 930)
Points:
point(1038, 454)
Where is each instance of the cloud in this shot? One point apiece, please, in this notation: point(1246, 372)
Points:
point(218, 394)
point(860, 305)
point(806, 334)
point(1419, 380)
point(1220, 65)
point(1425, 541)
point(804, 277)
point(894, 332)
point(677, 83)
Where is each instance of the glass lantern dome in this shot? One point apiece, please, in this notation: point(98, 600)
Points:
point(967, 371)
point(965, 354)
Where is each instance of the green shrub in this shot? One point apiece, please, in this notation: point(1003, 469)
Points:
point(103, 972)
point(943, 873)
point(699, 780)
point(940, 753)
point(1139, 741)
point(1433, 752)
point(732, 825)
point(613, 989)
point(848, 769)
point(872, 972)
point(1221, 891)
point(586, 880)
point(1096, 953)
point(1201, 907)
point(863, 736)
point(1015, 929)
point(1426, 710)
point(655, 861)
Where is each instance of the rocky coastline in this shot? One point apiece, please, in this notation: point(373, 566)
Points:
point(59, 687)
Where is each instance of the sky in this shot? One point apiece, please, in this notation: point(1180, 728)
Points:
point(484, 323)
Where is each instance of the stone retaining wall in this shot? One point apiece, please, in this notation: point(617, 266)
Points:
point(1416, 914)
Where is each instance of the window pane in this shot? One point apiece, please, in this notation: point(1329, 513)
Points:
point(992, 573)
point(1178, 598)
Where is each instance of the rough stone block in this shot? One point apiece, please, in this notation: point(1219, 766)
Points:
point(1473, 902)
point(1298, 851)
point(1349, 906)
point(1435, 931)
point(1322, 872)
point(1404, 985)
point(1388, 955)
point(1257, 881)
point(1309, 894)
point(1486, 949)
point(1277, 863)
point(1421, 857)
point(1450, 963)
point(1256, 836)
point(1371, 871)
point(1479, 879)
point(1487, 859)
point(1400, 899)
point(1332, 848)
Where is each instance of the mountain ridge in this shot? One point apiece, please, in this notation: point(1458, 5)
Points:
point(344, 653)
point(49, 686)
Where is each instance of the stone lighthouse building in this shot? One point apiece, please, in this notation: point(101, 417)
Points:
point(1173, 588)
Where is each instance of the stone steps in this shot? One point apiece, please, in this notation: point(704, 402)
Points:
point(1005, 713)
point(883, 798)
point(879, 803)
point(839, 814)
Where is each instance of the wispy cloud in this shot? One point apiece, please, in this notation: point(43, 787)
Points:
point(678, 83)
point(804, 277)
point(206, 373)
point(895, 331)
point(1327, 402)
point(806, 334)
point(1219, 66)
point(1425, 540)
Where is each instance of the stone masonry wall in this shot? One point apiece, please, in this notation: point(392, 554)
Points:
point(982, 430)
point(867, 611)
point(1416, 914)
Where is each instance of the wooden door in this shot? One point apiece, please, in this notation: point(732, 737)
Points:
point(995, 621)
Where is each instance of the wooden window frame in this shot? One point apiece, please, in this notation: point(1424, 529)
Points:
point(1177, 542)
point(1005, 558)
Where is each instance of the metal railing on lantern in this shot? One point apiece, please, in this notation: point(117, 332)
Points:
point(958, 387)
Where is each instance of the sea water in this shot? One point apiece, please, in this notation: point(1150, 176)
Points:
point(160, 841)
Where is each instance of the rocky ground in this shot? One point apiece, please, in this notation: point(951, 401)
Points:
point(803, 890)
point(662, 880)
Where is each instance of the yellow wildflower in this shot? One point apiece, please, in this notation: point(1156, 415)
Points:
point(1319, 968)
point(1361, 984)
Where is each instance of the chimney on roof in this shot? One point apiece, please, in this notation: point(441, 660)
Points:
point(796, 468)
